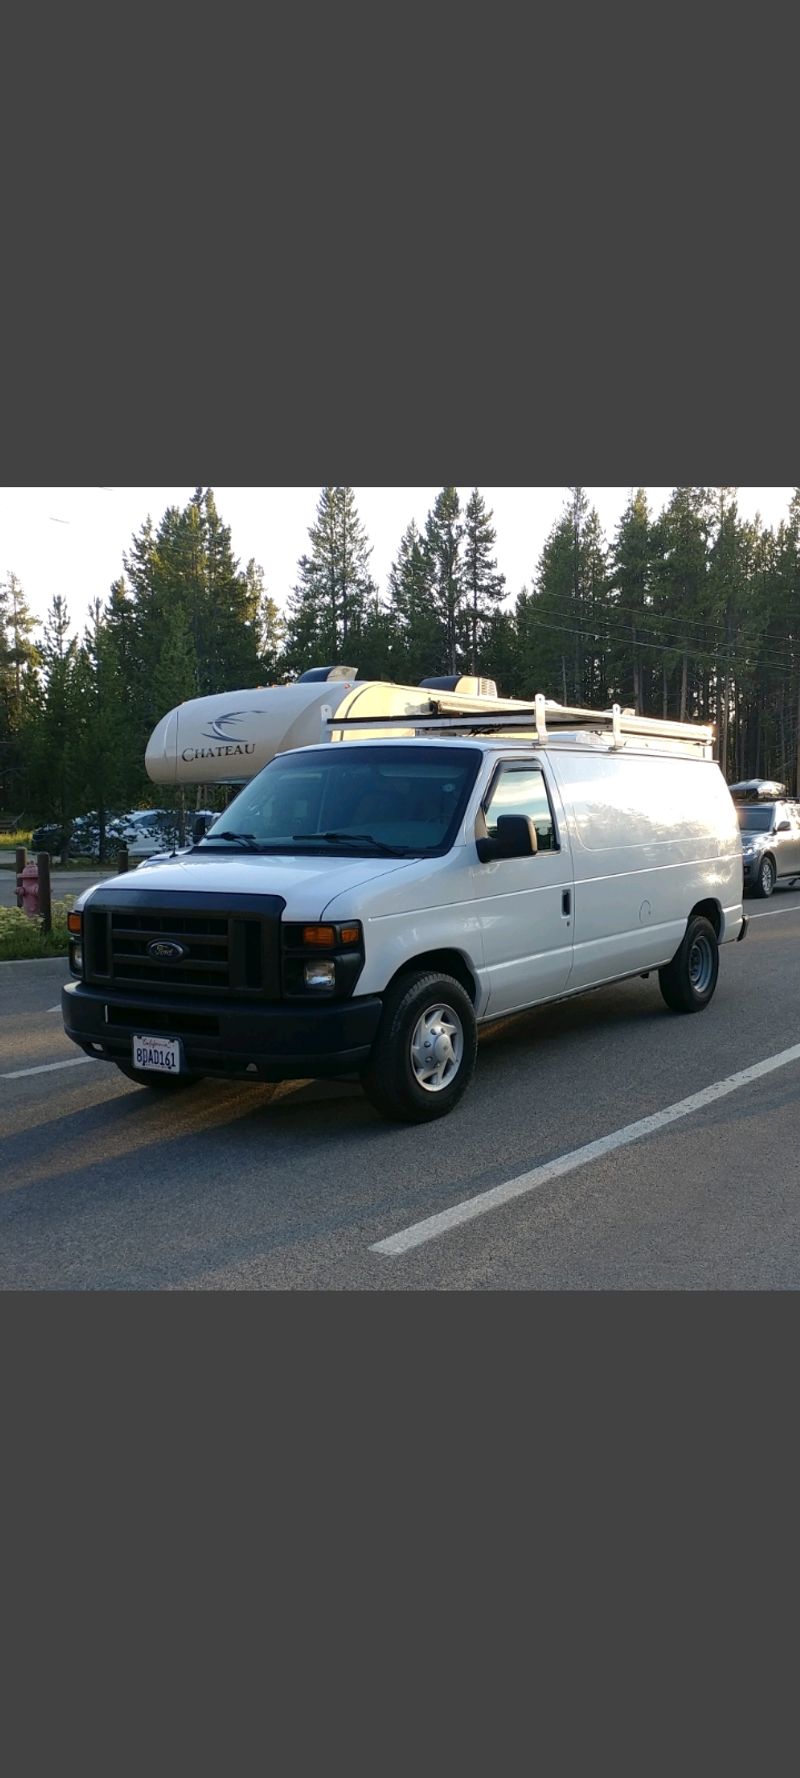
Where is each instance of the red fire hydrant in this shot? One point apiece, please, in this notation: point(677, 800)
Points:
point(28, 889)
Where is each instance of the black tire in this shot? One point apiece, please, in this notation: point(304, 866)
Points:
point(765, 881)
point(394, 1078)
point(688, 982)
point(144, 1078)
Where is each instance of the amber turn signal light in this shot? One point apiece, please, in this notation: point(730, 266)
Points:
point(330, 938)
point(74, 923)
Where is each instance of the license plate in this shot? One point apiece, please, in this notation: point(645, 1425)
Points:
point(161, 1055)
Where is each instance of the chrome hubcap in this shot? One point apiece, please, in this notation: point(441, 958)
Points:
point(437, 1048)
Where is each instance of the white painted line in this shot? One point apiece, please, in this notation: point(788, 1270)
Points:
point(57, 1009)
point(420, 1232)
point(770, 915)
point(47, 1067)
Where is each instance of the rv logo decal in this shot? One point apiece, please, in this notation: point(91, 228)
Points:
point(219, 730)
point(165, 950)
point(227, 744)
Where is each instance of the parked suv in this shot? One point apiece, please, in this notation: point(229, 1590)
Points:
point(770, 827)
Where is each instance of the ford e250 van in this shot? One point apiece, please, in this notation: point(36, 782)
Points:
point(367, 904)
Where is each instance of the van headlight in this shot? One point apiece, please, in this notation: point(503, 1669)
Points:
point(320, 974)
point(75, 931)
point(323, 958)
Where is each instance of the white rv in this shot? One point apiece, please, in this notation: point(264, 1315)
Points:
point(227, 737)
point(372, 898)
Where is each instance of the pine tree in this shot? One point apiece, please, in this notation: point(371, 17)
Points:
point(415, 642)
point(228, 642)
point(104, 769)
point(500, 654)
point(327, 607)
point(484, 588)
point(578, 510)
point(52, 726)
point(191, 622)
point(377, 641)
point(18, 652)
point(545, 618)
point(19, 658)
point(599, 682)
point(443, 538)
point(271, 630)
point(682, 592)
point(630, 595)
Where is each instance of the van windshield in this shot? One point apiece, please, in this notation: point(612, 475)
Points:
point(756, 817)
point(348, 797)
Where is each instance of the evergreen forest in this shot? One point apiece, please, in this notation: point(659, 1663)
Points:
point(690, 613)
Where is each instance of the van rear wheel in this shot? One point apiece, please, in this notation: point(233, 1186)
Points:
point(688, 982)
point(423, 1057)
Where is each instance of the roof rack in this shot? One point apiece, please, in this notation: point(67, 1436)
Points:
point(540, 721)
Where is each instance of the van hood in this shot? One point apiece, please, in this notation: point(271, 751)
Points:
point(306, 884)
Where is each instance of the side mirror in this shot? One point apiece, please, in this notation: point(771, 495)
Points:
point(515, 838)
point(200, 825)
point(784, 827)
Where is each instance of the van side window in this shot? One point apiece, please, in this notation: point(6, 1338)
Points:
point(521, 790)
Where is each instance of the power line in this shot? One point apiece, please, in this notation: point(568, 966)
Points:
point(728, 659)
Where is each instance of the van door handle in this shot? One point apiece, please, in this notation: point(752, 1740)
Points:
point(566, 903)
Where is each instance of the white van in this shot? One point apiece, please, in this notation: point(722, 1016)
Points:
point(363, 909)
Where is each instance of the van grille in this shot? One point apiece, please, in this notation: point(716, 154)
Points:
point(237, 953)
point(205, 941)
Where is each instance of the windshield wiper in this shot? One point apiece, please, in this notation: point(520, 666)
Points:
point(248, 840)
point(355, 839)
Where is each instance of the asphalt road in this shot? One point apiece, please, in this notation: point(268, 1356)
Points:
point(107, 1186)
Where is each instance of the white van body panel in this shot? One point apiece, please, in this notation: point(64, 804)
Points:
point(524, 910)
point(428, 905)
point(651, 836)
point(307, 884)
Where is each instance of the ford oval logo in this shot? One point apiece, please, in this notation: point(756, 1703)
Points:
point(165, 950)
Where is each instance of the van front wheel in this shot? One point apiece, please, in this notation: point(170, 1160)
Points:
point(688, 982)
point(423, 1057)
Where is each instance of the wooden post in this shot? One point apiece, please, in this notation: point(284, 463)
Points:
point(122, 860)
point(45, 898)
point(21, 859)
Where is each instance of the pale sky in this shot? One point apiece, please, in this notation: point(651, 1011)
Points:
point(71, 540)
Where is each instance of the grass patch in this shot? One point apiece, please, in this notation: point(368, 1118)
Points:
point(21, 937)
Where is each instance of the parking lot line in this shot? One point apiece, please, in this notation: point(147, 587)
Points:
point(769, 913)
point(47, 1067)
point(432, 1226)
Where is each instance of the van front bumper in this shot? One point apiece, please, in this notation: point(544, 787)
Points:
point(237, 1039)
